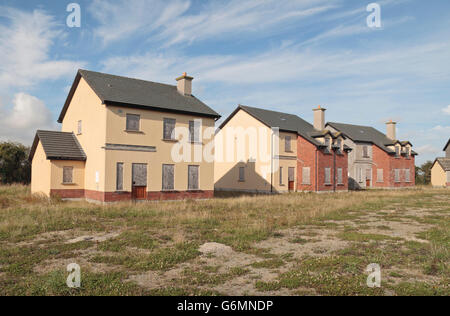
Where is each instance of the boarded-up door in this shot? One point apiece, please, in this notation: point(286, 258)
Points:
point(291, 180)
point(139, 181)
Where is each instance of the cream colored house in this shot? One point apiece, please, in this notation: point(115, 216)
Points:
point(121, 140)
point(440, 172)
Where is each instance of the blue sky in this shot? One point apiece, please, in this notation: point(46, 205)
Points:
point(283, 55)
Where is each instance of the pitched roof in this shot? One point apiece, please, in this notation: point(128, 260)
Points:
point(448, 144)
point(367, 134)
point(444, 162)
point(284, 121)
point(58, 146)
point(116, 90)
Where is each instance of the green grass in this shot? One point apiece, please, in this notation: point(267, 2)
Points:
point(162, 236)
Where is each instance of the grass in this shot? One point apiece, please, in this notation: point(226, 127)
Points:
point(162, 236)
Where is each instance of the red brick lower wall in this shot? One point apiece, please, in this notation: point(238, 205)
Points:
point(309, 156)
point(389, 163)
point(67, 194)
point(126, 196)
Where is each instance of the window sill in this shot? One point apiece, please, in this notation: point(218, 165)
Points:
point(196, 143)
point(133, 132)
point(328, 184)
point(170, 140)
point(340, 184)
point(170, 191)
point(195, 191)
point(242, 181)
point(69, 184)
point(306, 183)
point(289, 151)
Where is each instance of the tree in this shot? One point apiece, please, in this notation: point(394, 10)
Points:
point(423, 173)
point(14, 164)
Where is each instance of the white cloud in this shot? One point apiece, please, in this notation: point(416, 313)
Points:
point(25, 42)
point(27, 114)
point(427, 150)
point(439, 128)
point(175, 23)
point(446, 110)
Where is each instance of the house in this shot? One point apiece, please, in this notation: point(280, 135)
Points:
point(440, 171)
point(117, 142)
point(377, 160)
point(272, 152)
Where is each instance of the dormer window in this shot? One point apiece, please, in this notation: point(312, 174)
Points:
point(397, 151)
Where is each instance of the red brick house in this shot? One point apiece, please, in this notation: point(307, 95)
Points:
point(378, 160)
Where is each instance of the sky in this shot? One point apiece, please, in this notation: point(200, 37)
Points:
point(287, 56)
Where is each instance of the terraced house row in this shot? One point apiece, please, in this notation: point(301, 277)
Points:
point(124, 139)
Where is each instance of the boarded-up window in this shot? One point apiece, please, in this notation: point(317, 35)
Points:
point(287, 144)
point(168, 175)
point(241, 174)
point(194, 131)
point(119, 177)
point(67, 175)
point(291, 174)
point(281, 175)
point(397, 175)
point(133, 122)
point(80, 127)
point(327, 175)
point(306, 175)
point(169, 129)
point(366, 151)
point(368, 174)
point(139, 175)
point(397, 151)
point(407, 175)
point(380, 175)
point(448, 176)
point(339, 176)
point(193, 177)
point(360, 175)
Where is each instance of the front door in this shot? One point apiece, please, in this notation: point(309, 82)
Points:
point(291, 179)
point(368, 178)
point(139, 178)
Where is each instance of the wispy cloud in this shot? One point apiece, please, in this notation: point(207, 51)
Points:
point(176, 24)
point(25, 43)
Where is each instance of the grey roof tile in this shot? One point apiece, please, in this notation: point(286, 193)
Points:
point(445, 163)
point(139, 93)
point(368, 134)
point(58, 146)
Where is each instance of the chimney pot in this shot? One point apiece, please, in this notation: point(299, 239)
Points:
point(184, 85)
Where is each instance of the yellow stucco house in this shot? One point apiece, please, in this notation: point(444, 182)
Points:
point(440, 172)
point(120, 140)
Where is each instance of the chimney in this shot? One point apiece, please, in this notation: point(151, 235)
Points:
point(391, 132)
point(319, 118)
point(184, 85)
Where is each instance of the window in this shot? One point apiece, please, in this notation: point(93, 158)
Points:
point(328, 142)
point(306, 175)
point(133, 122)
point(291, 174)
point(67, 175)
point(241, 174)
point(407, 175)
point(380, 175)
point(169, 129)
point(448, 176)
point(359, 171)
point(368, 174)
point(119, 177)
point(287, 144)
point(339, 143)
point(327, 175)
point(397, 175)
point(340, 179)
point(397, 151)
point(194, 131)
point(168, 176)
point(80, 129)
point(281, 175)
point(193, 177)
point(366, 152)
